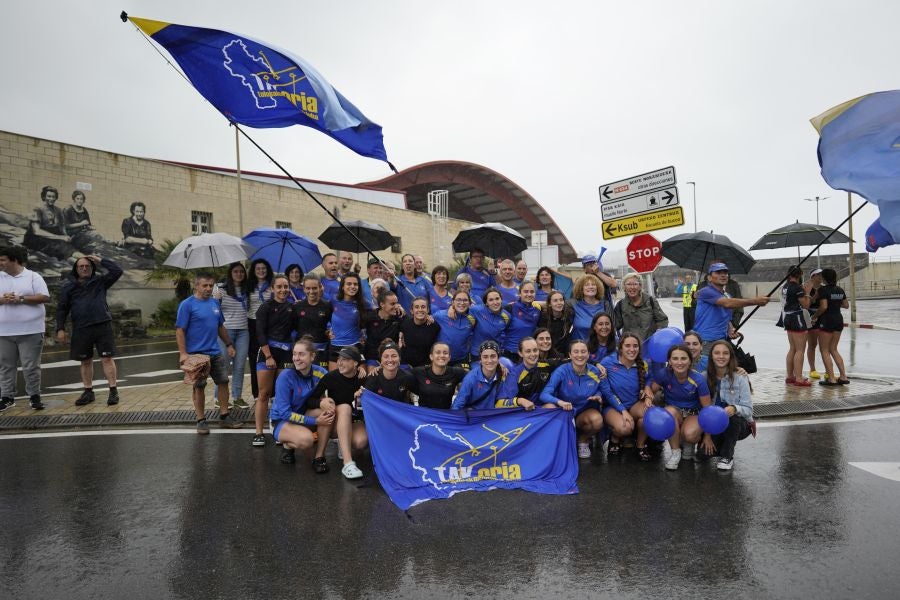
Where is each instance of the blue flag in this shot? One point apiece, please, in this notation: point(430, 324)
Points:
point(259, 85)
point(421, 454)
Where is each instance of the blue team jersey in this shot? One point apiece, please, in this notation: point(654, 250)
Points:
point(330, 288)
point(523, 321)
point(600, 354)
point(488, 325)
point(366, 291)
point(456, 333)
point(477, 392)
point(540, 295)
point(291, 393)
point(620, 386)
point(565, 384)
point(711, 320)
point(509, 295)
point(439, 302)
point(682, 395)
point(200, 320)
point(345, 323)
point(584, 314)
point(481, 280)
point(296, 295)
point(407, 291)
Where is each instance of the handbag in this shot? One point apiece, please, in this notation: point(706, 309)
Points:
point(745, 360)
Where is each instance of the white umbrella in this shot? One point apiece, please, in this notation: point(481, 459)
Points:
point(209, 250)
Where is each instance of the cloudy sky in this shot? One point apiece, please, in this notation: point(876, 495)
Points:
point(559, 97)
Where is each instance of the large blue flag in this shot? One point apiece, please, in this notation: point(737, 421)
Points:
point(260, 85)
point(421, 453)
point(859, 151)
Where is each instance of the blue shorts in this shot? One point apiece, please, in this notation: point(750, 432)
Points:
point(278, 425)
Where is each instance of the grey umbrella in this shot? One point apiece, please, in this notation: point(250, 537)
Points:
point(697, 250)
point(372, 235)
point(208, 250)
point(495, 239)
point(799, 234)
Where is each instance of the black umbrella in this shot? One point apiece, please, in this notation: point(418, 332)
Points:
point(372, 235)
point(495, 239)
point(799, 234)
point(696, 250)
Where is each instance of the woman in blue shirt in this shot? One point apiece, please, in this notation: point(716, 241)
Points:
point(545, 281)
point(623, 390)
point(439, 295)
point(684, 392)
point(291, 420)
point(576, 386)
point(586, 302)
point(480, 389)
point(694, 343)
point(457, 327)
point(294, 275)
point(524, 315)
point(408, 285)
point(347, 310)
point(602, 339)
point(491, 320)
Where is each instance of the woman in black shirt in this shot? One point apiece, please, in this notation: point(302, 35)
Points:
point(435, 384)
point(417, 334)
point(830, 321)
point(390, 380)
point(380, 325)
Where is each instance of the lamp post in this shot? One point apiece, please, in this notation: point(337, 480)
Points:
point(693, 185)
point(818, 250)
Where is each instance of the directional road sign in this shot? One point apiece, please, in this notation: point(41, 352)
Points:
point(661, 219)
point(635, 205)
point(639, 184)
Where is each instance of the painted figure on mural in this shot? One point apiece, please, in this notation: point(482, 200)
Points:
point(136, 233)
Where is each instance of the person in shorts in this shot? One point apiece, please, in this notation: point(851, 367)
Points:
point(198, 326)
point(84, 298)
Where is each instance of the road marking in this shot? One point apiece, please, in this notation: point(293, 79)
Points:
point(157, 373)
point(79, 385)
point(75, 363)
point(869, 416)
point(887, 470)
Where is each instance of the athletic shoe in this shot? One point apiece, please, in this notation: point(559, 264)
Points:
point(202, 427)
point(259, 440)
point(584, 450)
point(644, 454)
point(239, 403)
point(725, 464)
point(351, 471)
point(287, 456)
point(688, 451)
point(113, 398)
point(673, 460)
point(815, 374)
point(801, 383)
point(36, 403)
point(614, 448)
point(87, 396)
point(228, 421)
point(6, 403)
point(319, 465)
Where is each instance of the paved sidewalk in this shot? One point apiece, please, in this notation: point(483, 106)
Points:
point(170, 404)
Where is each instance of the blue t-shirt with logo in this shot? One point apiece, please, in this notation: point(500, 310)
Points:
point(200, 320)
point(711, 320)
point(682, 394)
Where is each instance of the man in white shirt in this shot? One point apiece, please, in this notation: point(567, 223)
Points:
point(22, 297)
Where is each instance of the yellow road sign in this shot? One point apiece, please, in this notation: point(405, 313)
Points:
point(661, 219)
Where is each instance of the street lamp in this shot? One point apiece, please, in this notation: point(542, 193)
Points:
point(693, 185)
point(818, 250)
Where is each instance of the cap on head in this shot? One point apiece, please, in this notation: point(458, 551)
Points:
point(718, 266)
point(815, 272)
point(588, 259)
point(373, 261)
point(350, 352)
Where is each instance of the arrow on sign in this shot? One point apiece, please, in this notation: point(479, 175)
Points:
point(606, 193)
point(667, 198)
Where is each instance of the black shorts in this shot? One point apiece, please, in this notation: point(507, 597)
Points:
point(831, 324)
point(85, 338)
point(282, 358)
point(798, 321)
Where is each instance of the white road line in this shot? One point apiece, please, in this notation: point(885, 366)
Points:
point(79, 385)
point(869, 416)
point(887, 470)
point(156, 373)
point(75, 363)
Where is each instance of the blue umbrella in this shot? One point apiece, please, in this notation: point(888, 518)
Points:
point(283, 247)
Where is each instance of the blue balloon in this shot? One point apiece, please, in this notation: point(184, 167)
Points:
point(656, 348)
point(713, 420)
point(658, 423)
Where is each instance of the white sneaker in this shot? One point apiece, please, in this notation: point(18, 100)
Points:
point(688, 451)
point(725, 464)
point(584, 450)
point(673, 460)
point(351, 471)
point(666, 451)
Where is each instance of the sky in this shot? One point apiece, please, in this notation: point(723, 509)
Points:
point(558, 97)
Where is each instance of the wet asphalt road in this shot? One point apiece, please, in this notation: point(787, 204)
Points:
point(179, 516)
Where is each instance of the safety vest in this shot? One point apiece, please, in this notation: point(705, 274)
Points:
point(686, 294)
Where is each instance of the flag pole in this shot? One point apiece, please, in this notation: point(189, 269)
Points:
point(852, 260)
point(237, 155)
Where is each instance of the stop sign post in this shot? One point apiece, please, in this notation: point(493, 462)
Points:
point(644, 253)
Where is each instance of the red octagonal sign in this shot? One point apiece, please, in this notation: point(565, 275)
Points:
point(644, 253)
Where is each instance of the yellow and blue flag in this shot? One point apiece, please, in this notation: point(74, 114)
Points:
point(859, 152)
point(423, 454)
point(260, 85)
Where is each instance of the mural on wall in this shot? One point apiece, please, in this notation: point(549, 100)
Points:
point(55, 237)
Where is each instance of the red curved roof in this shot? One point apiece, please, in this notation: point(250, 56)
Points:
point(480, 195)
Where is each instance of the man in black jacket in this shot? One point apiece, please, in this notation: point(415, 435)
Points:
point(84, 297)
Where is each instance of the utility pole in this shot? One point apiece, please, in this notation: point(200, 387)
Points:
point(818, 250)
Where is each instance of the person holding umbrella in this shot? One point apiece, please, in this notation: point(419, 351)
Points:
point(474, 268)
point(794, 306)
point(714, 306)
point(294, 276)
